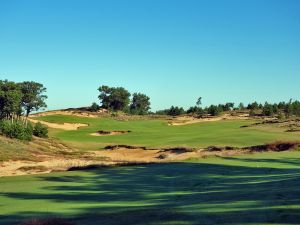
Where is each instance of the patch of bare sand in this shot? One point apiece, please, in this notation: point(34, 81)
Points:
point(64, 126)
point(13, 168)
point(185, 120)
point(79, 113)
point(156, 156)
point(95, 158)
point(126, 155)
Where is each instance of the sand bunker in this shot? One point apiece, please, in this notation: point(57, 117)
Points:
point(110, 133)
point(63, 126)
point(185, 120)
point(117, 155)
point(13, 168)
point(67, 112)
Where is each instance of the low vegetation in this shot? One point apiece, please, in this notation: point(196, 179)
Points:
point(17, 101)
point(16, 129)
point(40, 130)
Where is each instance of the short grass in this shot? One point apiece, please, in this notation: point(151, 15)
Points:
point(255, 189)
point(157, 133)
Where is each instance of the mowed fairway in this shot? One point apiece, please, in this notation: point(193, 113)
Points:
point(157, 133)
point(251, 189)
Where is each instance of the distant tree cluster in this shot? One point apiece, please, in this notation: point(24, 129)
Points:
point(172, 111)
point(213, 110)
point(291, 108)
point(17, 101)
point(118, 99)
point(287, 109)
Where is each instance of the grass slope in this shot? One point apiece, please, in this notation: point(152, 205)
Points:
point(157, 133)
point(254, 189)
point(13, 149)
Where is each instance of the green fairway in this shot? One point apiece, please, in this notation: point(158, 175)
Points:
point(157, 133)
point(252, 189)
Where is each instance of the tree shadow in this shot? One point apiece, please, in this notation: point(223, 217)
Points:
point(175, 193)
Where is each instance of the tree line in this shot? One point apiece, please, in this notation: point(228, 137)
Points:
point(281, 109)
point(17, 101)
point(120, 99)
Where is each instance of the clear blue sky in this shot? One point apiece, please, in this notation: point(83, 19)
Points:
point(173, 51)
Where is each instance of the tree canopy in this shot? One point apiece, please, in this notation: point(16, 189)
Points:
point(140, 104)
point(114, 98)
point(33, 97)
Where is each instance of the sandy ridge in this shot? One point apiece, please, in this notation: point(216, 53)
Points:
point(64, 126)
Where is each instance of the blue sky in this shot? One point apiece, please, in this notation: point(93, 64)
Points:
point(173, 51)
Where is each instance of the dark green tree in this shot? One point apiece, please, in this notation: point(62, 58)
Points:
point(140, 104)
point(10, 99)
point(199, 101)
point(268, 109)
point(253, 106)
point(214, 110)
point(33, 97)
point(114, 98)
point(94, 107)
point(175, 111)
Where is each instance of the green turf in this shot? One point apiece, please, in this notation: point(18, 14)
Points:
point(251, 189)
point(157, 133)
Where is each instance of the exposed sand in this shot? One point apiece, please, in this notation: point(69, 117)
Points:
point(13, 168)
point(64, 126)
point(105, 157)
point(185, 120)
point(70, 113)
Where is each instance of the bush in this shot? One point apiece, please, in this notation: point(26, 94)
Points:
point(252, 112)
point(214, 110)
point(16, 129)
point(175, 111)
point(40, 130)
point(94, 107)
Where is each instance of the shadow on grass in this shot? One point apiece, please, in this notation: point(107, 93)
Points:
point(177, 193)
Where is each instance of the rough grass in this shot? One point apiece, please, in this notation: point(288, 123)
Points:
point(157, 133)
point(258, 189)
point(12, 149)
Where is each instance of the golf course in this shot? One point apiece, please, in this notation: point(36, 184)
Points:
point(252, 189)
point(149, 112)
point(154, 133)
point(241, 188)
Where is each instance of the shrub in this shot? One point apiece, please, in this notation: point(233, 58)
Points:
point(252, 112)
point(40, 130)
point(16, 129)
point(94, 107)
point(6, 128)
point(214, 110)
